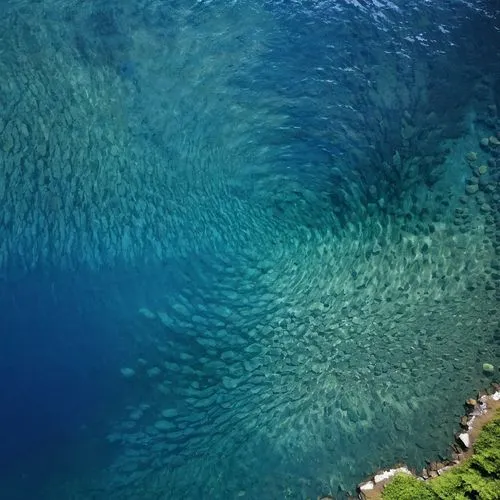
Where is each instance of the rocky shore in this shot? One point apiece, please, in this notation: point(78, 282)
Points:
point(479, 412)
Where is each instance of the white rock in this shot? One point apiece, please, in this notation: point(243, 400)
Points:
point(369, 485)
point(444, 469)
point(389, 473)
point(465, 439)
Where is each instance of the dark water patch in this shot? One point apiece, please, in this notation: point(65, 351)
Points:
point(64, 339)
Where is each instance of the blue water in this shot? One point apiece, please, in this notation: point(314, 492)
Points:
point(264, 210)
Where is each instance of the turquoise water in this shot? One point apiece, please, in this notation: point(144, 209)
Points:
point(247, 249)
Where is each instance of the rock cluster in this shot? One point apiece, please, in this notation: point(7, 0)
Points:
point(479, 411)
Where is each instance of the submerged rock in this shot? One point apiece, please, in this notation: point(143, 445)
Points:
point(127, 372)
point(488, 368)
point(472, 188)
point(153, 372)
point(164, 425)
point(471, 156)
point(493, 141)
point(170, 413)
point(482, 169)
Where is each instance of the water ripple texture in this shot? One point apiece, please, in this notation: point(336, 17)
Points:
point(247, 249)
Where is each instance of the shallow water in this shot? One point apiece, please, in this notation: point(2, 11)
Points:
point(243, 252)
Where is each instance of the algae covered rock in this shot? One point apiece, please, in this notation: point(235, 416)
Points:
point(493, 141)
point(482, 169)
point(471, 156)
point(488, 368)
point(472, 188)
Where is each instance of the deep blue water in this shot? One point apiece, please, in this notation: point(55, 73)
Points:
point(263, 203)
point(55, 375)
point(64, 339)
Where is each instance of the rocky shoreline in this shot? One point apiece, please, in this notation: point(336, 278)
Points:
point(479, 411)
